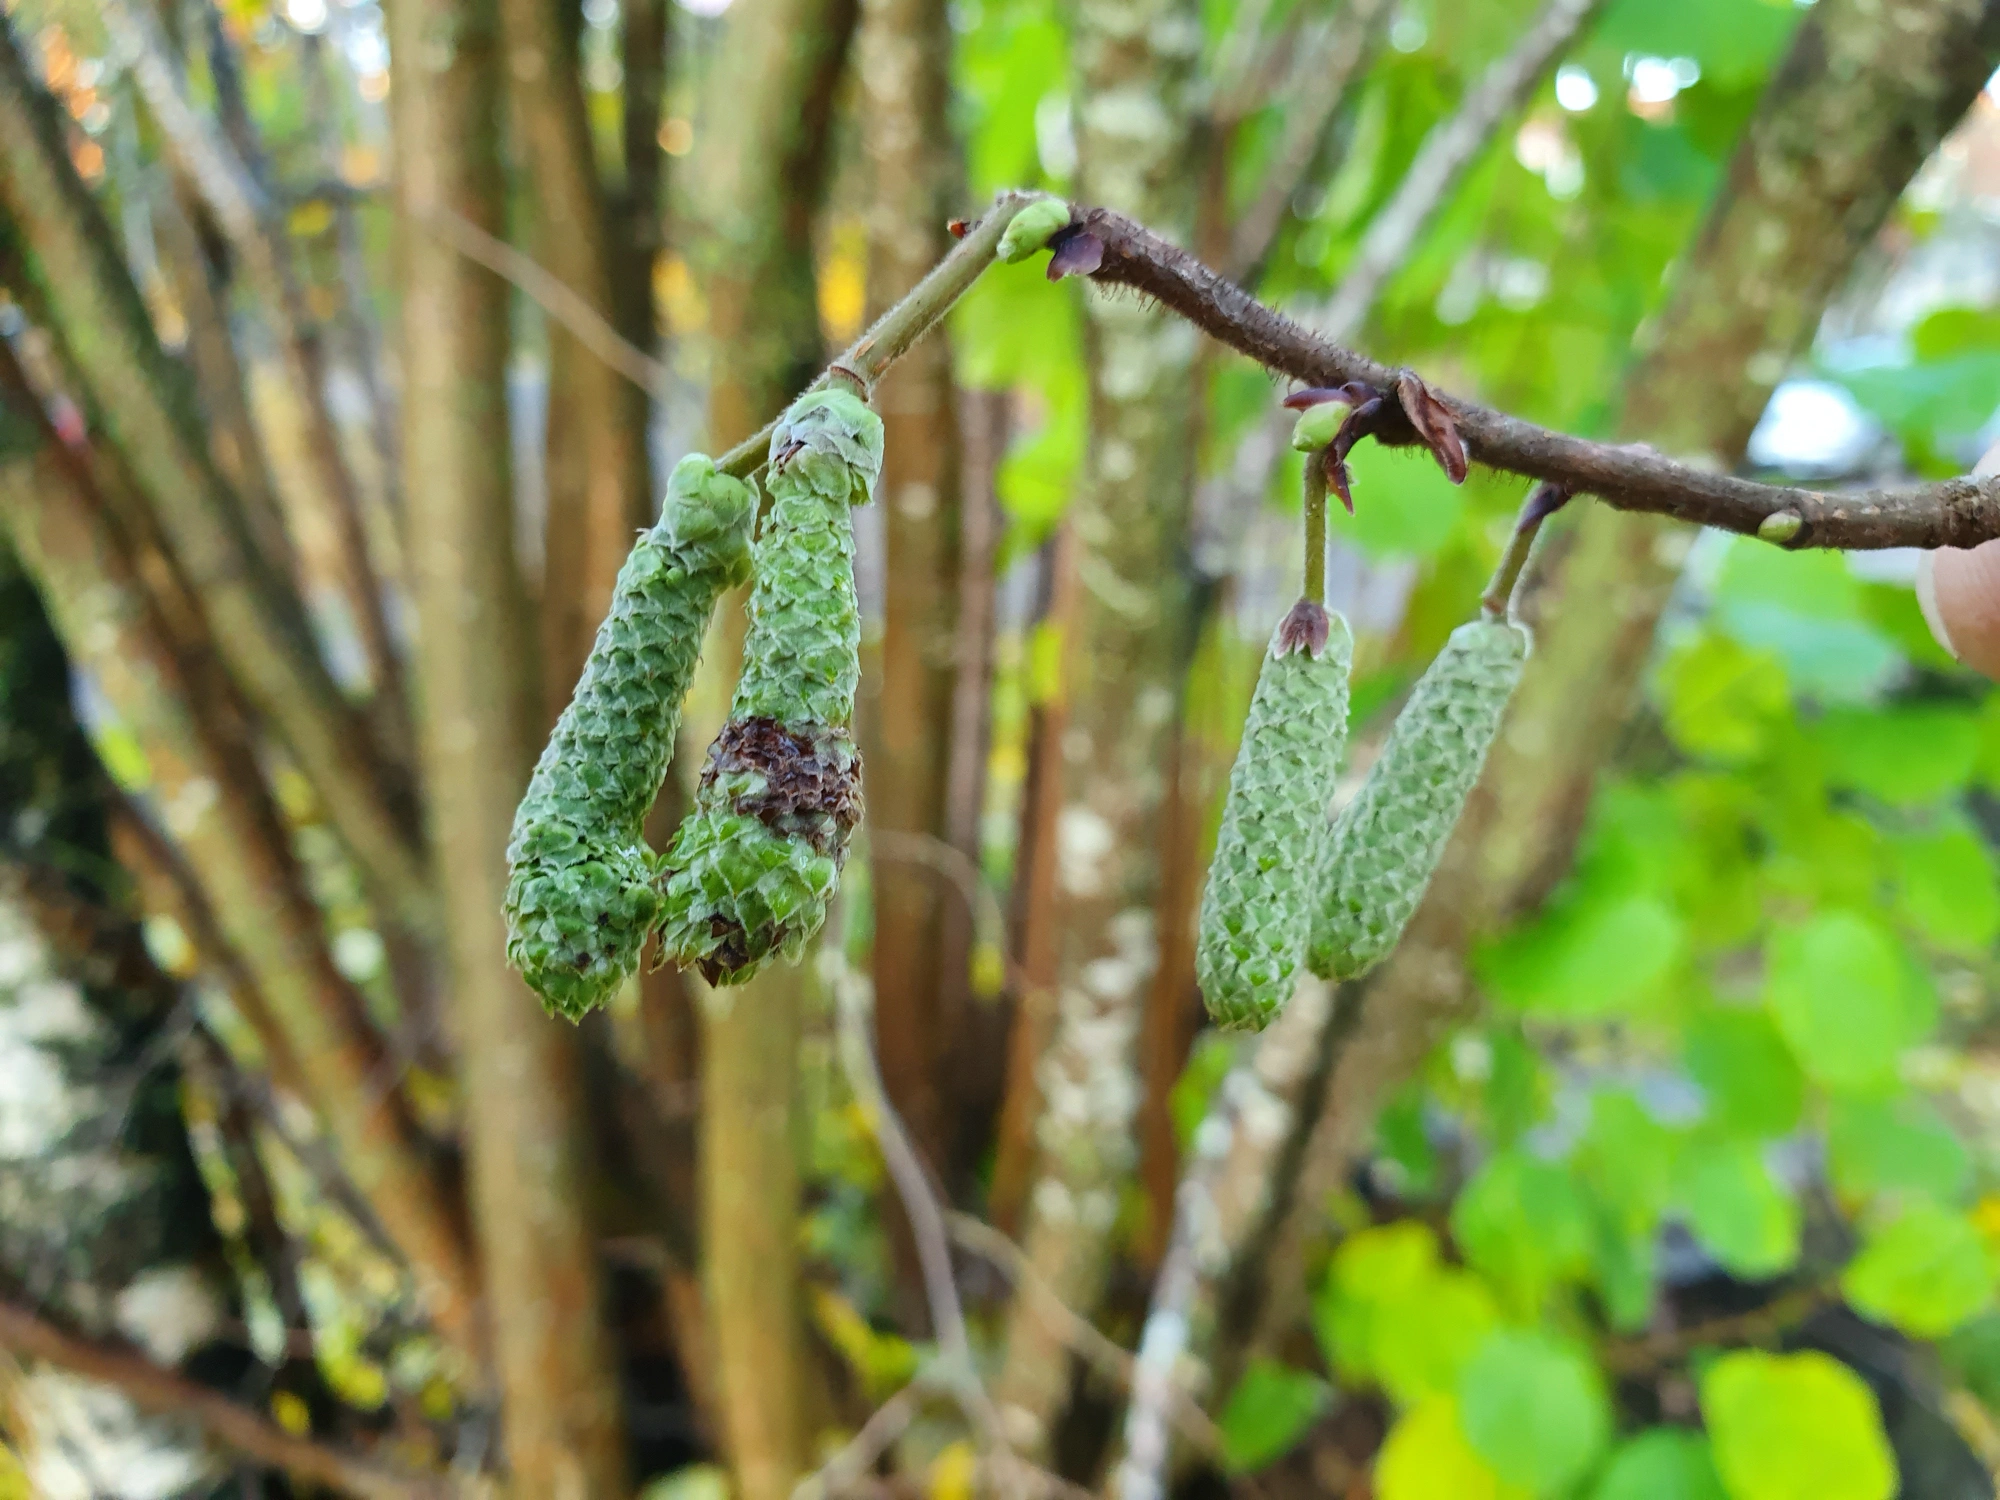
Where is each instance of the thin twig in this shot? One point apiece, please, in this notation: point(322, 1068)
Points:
point(1110, 1359)
point(1633, 476)
point(160, 1390)
point(1543, 501)
point(548, 292)
point(1442, 159)
point(921, 310)
point(956, 866)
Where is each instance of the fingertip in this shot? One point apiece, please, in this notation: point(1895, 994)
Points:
point(1959, 591)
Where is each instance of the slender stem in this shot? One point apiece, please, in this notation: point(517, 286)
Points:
point(902, 325)
point(1315, 508)
point(1543, 501)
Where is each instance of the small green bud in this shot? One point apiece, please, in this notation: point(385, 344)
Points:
point(1387, 842)
point(1317, 425)
point(756, 861)
point(1781, 526)
point(581, 894)
point(1256, 909)
point(1032, 228)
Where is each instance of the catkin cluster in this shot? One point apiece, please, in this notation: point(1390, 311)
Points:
point(1257, 908)
point(755, 863)
point(1386, 843)
point(582, 893)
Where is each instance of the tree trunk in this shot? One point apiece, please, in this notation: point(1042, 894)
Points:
point(524, 1112)
point(597, 420)
point(1868, 89)
point(1122, 682)
point(759, 177)
point(903, 56)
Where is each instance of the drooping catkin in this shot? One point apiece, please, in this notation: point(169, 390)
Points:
point(1256, 910)
point(1387, 842)
point(582, 894)
point(755, 863)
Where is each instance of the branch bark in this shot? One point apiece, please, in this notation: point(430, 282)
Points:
point(238, 1427)
point(525, 1121)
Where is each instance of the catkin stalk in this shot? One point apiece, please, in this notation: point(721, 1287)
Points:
point(1386, 843)
point(755, 863)
point(582, 894)
point(1256, 910)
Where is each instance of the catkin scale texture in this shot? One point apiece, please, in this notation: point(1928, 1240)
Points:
point(1386, 843)
point(755, 863)
point(582, 893)
point(1256, 909)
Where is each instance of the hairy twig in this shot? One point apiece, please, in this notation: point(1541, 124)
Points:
point(1442, 159)
point(1632, 476)
point(234, 1426)
point(1649, 1353)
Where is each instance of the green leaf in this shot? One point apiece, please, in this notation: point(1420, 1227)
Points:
point(1522, 1222)
point(1734, 41)
point(1900, 1145)
point(1587, 957)
point(1946, 889)
point(1955, 330)
point(1403, 504)
point(1189, 1098)
point(1843, 997)
point(1737, 1209)
point(1426, 1457)
point(1926, 1272)
point(1751, 1081)
point(1391, 1312)
point(1972, 1357)
point(1535, 1409)
point(1906, 756)
point(1662, 1463)
point(1795, 1427)
point(1268, 1412)
point(1723, 699)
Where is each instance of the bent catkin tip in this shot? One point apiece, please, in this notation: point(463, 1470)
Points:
point(756, 862)
point(582, 889)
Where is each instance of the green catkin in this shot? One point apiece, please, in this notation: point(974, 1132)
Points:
point(582, 893)
point(1386, 843)
point(1256, 910)
point(755, 863)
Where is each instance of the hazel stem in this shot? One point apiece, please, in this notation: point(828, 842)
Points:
point(902, 325)
point(1315, 510)
point(1543, 501)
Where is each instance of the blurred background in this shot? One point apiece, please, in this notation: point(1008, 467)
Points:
point(343, 353)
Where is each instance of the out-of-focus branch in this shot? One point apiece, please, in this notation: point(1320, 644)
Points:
point(239, 1427)
point(259, 624)
point(1324, 73)
point(1447, 151)
point(246, 216)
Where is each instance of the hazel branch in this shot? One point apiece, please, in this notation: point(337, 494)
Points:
point(902, 325)
point(1953, 513)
